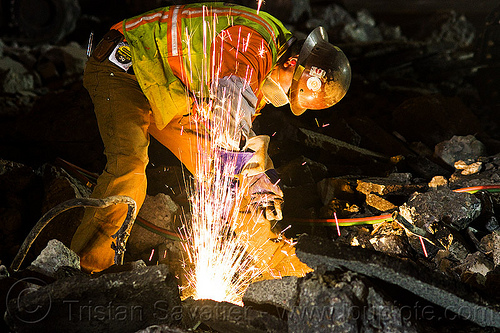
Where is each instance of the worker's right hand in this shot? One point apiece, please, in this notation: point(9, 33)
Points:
point(265, 196)
point(234, 105)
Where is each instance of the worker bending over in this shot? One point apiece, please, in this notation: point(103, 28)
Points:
point(149, 75)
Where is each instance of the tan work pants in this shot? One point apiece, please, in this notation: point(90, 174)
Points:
point(125, 122)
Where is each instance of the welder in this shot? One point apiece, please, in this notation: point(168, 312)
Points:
point(149, 73)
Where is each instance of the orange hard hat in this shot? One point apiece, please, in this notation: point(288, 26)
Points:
point(322, 75)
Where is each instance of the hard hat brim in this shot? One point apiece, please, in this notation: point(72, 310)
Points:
point(316, 36)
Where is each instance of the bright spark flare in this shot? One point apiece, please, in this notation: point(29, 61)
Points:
point(222, 267)
point(219, 263)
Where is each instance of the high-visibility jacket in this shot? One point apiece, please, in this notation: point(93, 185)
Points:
point(178, 51)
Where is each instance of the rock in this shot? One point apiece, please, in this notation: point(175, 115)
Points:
point(164, 178)
point(417, 279)
point(281, 293)
point(325, 307)
point(460, 148)
point(22, 193)
point(390, 238)
point(77, 58)
point(468, 169)
point(382, 314)
point(159, 210)
point(424, 167)
point(14, 78)
point(379, 203)
point(454, 32)
point(496, 248)
point(230, 318)
point(456, 210)
point(151, 247)
point(487, 244)
point(402, 177)
point(62, 62)
point(359, 236)
point(341, 208)
point(333, 17)
point(485, 177)
point(344, 302)
point(438, 181)
point(114, 302)
point(385, 186)
point(337, 188)
point(4, 272)
point(364, 30)
point(59, 187)
point(45, 132)
point(161, 329)
point(334, 146)
point(451, 240)
point(300, 9)
point(301, 171)
point(476, 262)
point(53, 257)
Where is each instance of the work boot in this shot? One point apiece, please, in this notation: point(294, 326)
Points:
point(92, 243)
point(273, 255)
point(285, 262)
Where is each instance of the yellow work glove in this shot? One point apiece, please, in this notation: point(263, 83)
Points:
point(260, 161)
point(264, 192)
point(266, 197)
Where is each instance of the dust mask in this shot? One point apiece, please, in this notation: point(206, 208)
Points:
point(274, 93)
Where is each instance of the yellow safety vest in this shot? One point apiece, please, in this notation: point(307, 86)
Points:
point(171, 50)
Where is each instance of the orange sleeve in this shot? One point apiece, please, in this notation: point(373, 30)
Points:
point(241, 51)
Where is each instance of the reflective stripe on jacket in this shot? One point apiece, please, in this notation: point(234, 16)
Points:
point(178, 51)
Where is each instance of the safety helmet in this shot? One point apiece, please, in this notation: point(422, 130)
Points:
point(322, 74)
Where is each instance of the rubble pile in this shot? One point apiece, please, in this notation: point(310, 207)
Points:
point(413, 150)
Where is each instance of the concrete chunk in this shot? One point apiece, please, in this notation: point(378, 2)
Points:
point(114, 302)
point(281, 293)
point(455, 297)
point(456, 210)
point(230, 318)
point(14, 77)
point(54, 256)
point(384, 186)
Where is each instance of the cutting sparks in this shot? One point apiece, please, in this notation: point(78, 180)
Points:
point(219, 263)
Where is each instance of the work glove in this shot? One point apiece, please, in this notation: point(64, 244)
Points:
point(265, 195)
point(234, 105)
point(260, 161)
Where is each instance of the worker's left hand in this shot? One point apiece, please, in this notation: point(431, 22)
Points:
point(233, 108)
point(266, 196)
